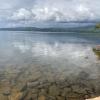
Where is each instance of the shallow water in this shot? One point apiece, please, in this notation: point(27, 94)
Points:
point(66, 57)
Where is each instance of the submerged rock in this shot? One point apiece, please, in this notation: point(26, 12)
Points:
point(53, 90)
point(2, 97)
point(32, 84)
point(60, 98)
point(23, 95)
point(42, 97)
point(7, 91)
point(74, 96)
point(22, 87)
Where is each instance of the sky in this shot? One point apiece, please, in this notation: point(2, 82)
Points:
point(28, 12)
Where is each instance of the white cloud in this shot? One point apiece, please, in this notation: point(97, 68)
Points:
point(47, 14)
point(53, 14)
point(52, 10)
point(84, 13)
point(21, 14)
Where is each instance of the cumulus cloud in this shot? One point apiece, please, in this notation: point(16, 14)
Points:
point(54, 10)
point(52, 14)
point(21, 15)
point(57, 11)
point(37, 14)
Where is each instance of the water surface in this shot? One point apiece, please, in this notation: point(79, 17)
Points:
point(51, 56)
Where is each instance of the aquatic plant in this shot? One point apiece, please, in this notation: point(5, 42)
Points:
point(98, 26)
point(97, 52)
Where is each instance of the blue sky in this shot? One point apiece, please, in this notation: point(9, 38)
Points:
point(29, 12)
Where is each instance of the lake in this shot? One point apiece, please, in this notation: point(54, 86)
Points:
point(52, 64)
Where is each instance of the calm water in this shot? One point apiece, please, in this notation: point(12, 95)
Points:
point(60, 50)
point(59, 61)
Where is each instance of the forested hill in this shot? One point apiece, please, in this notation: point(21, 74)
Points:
point(55, 29)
